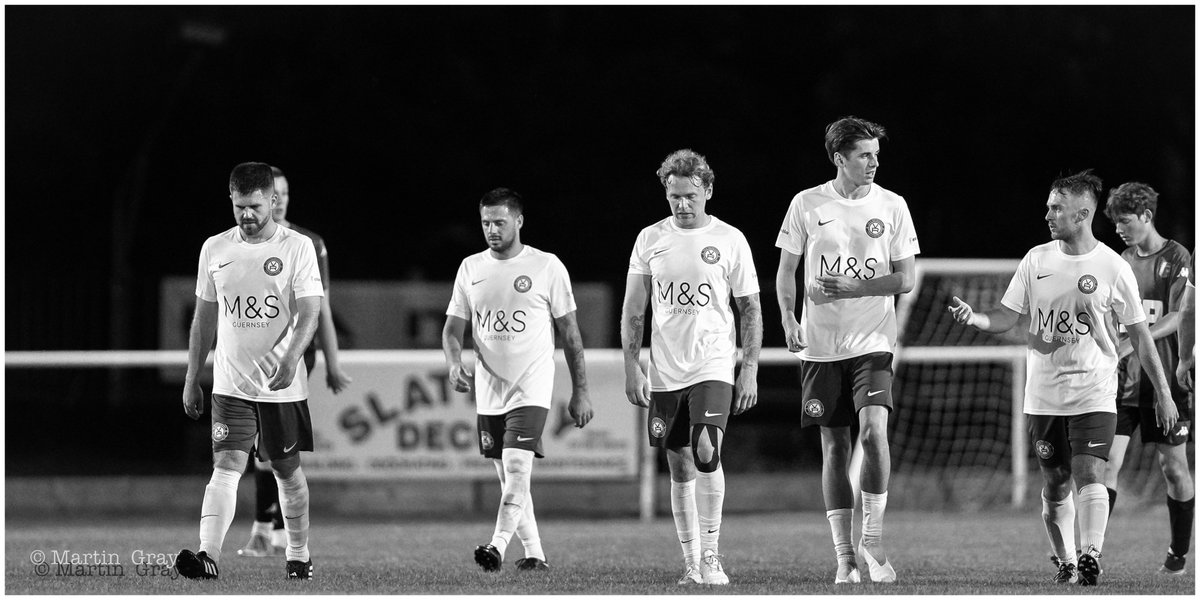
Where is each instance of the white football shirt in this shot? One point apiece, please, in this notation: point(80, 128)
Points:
point(692, 273)
point(858, 238)
point(511, 305)
point(255, 287)
point(1071, 302)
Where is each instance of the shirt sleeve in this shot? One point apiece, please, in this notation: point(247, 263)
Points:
point(743, 277)
point(562, 299)
point(1179, 280)
point(460, 303)
point(1016, 297)
point(638, 265)
point(306, 278)
point(904, 237)
point(1126, 299)
point(793, 237)
point(205, 288)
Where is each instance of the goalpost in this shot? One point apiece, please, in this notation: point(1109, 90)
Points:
point(960, 392)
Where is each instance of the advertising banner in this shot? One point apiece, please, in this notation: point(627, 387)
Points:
point(402, 419)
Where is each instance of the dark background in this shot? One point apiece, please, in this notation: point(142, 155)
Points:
point(391, 122)
point(122, 124)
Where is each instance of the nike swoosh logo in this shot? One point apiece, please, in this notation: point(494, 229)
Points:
point(289, 448)
point(713, 530)
point(708, 414)
point(657, 252)
point(1044, 276)
point(876, 392)
point(1095, 445)
point(524, 439)
point(478, 282)
point(222, 266)
point(824, 223)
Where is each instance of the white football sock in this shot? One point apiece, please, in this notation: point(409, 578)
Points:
point(710, 499)
point(293, 502)
point(216, 513)
point(263, 529)
point(518, 466)
point(527, 530)
point(840, 521)
point(1059, 517)
point(279, 537)
point(687, 527)
point(873, 507)
point(1093, 515)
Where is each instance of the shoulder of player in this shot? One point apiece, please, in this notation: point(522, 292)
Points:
point(317, 240)
point(723, 227)
point(229, 236)
point(808, 199)
point(1177, 253)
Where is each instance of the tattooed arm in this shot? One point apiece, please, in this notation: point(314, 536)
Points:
point(580, 405)
point(633, 323)
point(746, 391)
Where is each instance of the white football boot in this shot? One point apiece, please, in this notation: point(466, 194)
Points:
point(879, 573)
point(691, 574)
point(847, 572)
point(710, 569)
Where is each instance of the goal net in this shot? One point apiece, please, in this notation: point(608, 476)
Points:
point(960, 440)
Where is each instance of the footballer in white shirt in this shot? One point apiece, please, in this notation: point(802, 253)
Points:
point(859, 246)
point(258, 291)
point(515, 297)
point(1073, 289)
point(687, 267)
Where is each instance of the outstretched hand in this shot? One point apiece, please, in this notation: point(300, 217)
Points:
point(961, 311)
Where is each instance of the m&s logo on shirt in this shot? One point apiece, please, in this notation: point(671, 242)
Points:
point(853, 267)
point(684, 293)
point(500, 321)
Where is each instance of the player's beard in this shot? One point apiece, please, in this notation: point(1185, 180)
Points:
point(252, 228)
point(501, 245)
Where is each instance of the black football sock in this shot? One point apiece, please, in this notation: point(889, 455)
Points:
point(1112, 500)
point(1181, 513)
point(266, 495)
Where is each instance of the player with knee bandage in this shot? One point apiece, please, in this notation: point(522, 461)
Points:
point(516, 297)
point(688, 265)
point(258, 291)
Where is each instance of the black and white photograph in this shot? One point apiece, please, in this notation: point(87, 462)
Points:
point(773, 299)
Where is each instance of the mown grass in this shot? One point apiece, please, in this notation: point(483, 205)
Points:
point(998, 553)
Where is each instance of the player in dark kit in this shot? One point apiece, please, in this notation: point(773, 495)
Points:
point(267, 535)
point(1161, 269)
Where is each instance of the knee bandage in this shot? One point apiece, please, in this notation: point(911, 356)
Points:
point(706, 447)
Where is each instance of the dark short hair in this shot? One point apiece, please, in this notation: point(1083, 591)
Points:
point(1132, 198)
point(249, 177)
point(1080, 184)
point(503, 196)
point(688, 164)
point(842, 134)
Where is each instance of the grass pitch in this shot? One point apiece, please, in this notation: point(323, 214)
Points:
point(780, 553)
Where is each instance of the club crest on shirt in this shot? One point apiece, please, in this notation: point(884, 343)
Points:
point(486, 441)
point(220, 431)
point(1088, 284)
point(522, 284)
point(875, 228)
point(273, 266)
point(658, 427)
point(710, 255)
point(814, 408)
point(1044, 449)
